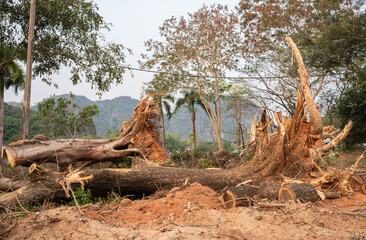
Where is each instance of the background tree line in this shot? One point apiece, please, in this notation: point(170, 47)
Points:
point(198, 54)
point(199, 50)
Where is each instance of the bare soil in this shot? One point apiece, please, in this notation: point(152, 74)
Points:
point(194, 212)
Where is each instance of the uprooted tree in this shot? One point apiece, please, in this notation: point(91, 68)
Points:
point(293, 150)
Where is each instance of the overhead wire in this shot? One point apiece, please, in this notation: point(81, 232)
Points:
point(203, 76)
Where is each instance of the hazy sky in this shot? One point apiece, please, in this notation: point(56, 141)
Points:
point(134, 22)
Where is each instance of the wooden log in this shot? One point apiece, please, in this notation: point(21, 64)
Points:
point(43, 185)
point(145, 180)
point(237, 196)
point(138, 136)
point(65, 151)
point(8, 185)
point(305, 192)
point(332, 195)
point(268, 190)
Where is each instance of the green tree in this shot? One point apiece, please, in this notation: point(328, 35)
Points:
point(61, 116)
point(190, 99)
point(175, 144)
point(200, 49)
point(330, 34)
point(352, 106)
point(12, 122)
point(67, 33)
point(11, 75)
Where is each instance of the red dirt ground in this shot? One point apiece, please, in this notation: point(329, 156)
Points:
point(193, 212)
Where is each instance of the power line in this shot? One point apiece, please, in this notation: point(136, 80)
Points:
point(201, 76)
point(204, 76)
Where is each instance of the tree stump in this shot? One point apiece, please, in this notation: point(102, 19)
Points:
point(238, 196)
point(268, 190)
point(305, 192)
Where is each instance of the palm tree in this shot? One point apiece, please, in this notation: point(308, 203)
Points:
point(11, 75)
point(163, 103)
point(189, 100)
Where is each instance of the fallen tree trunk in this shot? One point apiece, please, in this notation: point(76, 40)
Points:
point(144, 179)
point(287, 152)
point(138, 136)
point(8, 185)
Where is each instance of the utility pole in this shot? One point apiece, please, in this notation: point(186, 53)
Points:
point(28, 73)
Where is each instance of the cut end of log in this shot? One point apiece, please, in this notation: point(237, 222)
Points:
point(237, 196)
point(285, 194)
point(11, 158)
point(228, 200)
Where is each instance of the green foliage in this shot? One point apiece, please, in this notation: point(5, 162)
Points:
point(111, 134)
point(11, 129)
point(13, 121)
point(67, 33)
point(330, 160)
point(174, 144)
point(205, 163)
point(111, 197)
point(352, 106)
point(330, 35)
point(85, 197)
point(62, 116)
point(249, 156)
point(29, 207)
point(11, 73)
point(82, 197)
point(117, 111)
point(125, 162)
point(205, 146)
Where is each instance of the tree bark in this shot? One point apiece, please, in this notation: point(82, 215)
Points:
point(1, 116)
point(142, 178)
point(8, 185)
point(305, 192)
point(28, 74)
point(314, 114)
point(332, 195)
point(268, 190)
point(238, 132)
point(162, 125)
point(193, 119)
point(238, 196)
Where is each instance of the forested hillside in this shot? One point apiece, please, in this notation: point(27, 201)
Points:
point(117, 110)
point(13, 122)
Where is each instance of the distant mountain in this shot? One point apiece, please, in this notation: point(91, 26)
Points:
point(112, 112)
point(117, 110)
point(14, 104)
point(181, 124)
